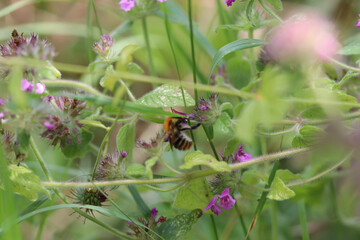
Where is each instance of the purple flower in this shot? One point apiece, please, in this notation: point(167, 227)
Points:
point(190, 115)
point(226, 201)
point(161, 0)
point(358, 24)
point(1, 102)
point(26, 86)
point(127, 5)
point(48, 98)
point(40, 88)
point(229, 2)
point(107, 40)
point(103, 47)
point(154, 212)
point(1, 115)
point(212, 205)
point(49, 125)
point(242, 156)
point(123, 154)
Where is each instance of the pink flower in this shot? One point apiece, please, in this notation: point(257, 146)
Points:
point(242, 156)
point(212, 204)
point(226, 201)
point(229, 2)
point(358, 24)
point(304, 38)
point(40, 88)
point(1, 115)
point(26, 86)
point(127, 5)
point(1, 102)
point(161, 0)
point(49, 125)
point(123, 154)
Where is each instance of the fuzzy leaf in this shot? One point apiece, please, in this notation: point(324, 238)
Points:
point(25, 182)
point(286, 176)
point(177, 227)
point(307, 135)
point(125, 140)
point(109, 80)
point(351, 49)
point(192, 195)
point(231, 145)
point(279, 191)
point(167, 95)
point(198, 158)
point(93, 123)
point(136, 169)
point(224, 124)
point(148, 165)
point(78, 149)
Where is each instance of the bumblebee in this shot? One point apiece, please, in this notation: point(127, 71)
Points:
point(174, 127)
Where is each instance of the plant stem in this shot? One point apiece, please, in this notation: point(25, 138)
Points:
point(192, 51)
point(148, 47)
point(169, 167)
point(242, 222)
point(274, 231)
point(131, 96)
point(104, 141)
point(214, 227)
point(303, 221)
point(355, 69)
point(211, 143)
point(62, 197)
point(187, 177)
point(269, 11)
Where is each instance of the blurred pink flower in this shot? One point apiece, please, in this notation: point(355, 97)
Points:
point(40, 88)
point(26, 86)
point(358, 24)
point(304, 38)
point(127, 5)
point(161, 0)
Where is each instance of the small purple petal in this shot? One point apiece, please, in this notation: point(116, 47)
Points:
point(26, 86)
point(242, 156)
point(1, 115)
point(226, 201)
point(49, 125)
point(1, 102)
point(48, 98)
point(212, 205)
point(40, 88)
point(154, 212)
point(203, 107)
point(127, 5)
point(161, 0)
point(123, 154)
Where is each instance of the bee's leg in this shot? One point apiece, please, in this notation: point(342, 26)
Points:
point(195, 126)
point(188, 127)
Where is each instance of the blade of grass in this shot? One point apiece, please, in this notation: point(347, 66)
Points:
point(148, 47)
point(303, 221)
point(96, 17)
point(192, 50)
point(89, 34)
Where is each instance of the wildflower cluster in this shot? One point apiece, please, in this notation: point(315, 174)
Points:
point(88, 196)
point(229, 2)
point(63, 125)
point(103, 47)
point(112, 166)
point(156, 146)
point(226, 202)
point(207, 112)
point(150, 223)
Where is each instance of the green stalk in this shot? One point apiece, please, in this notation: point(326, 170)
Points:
point(211, 143)
point(274, 231)
point(303, 221)
point(269, 11)
point(192, 51)
point(214, 227)
point(242, 221)
point(96, 17)
point(148, 47)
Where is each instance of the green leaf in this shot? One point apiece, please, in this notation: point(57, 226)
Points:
point(145, 210)
point(279, 191)
point(286, 175)
point(93, 123)
point(23, 138)
point(193, 195)
point(25, 182)
point(135, 170)
point(50, 72)
point(224, 124)
point(231, 145)
point(198, 158)
point(109, 79)
point(239, 72)
point(125, 140)
point(126, 57)
point(351, 49)
point(134, 68)
point(249, 10)
point(167, 95)
point(308, 135)
point(232, 47)
point(148, 165)
point(277, 4)
point(177, 227)
point(78, 149)
point(35, 205)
